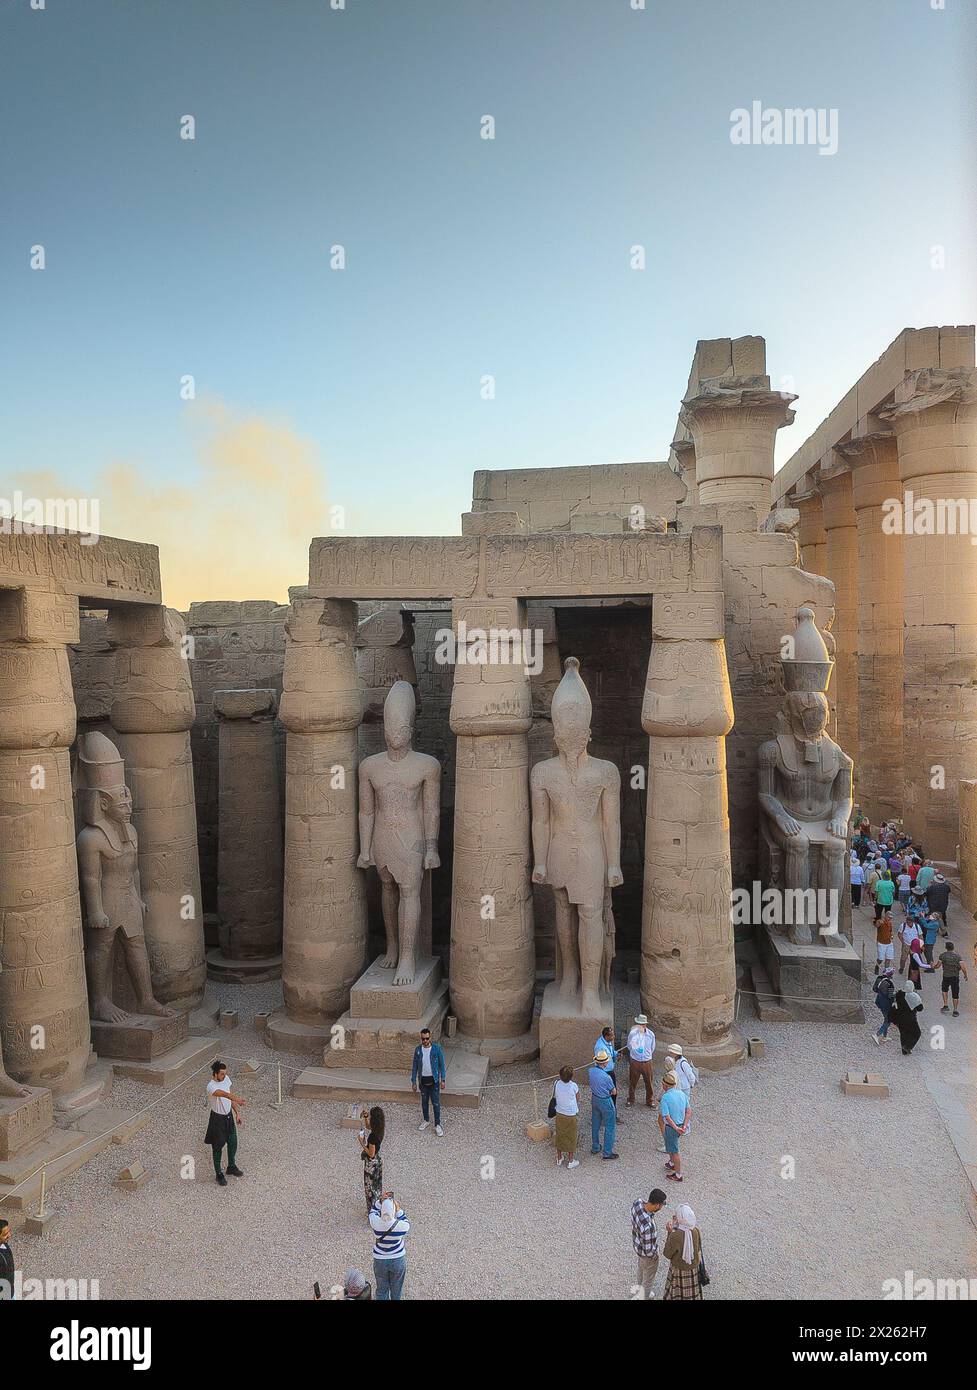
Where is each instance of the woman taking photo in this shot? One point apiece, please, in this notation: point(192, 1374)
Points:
point(370, 1142)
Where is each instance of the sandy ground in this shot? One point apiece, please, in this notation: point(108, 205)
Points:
point(800, 1192)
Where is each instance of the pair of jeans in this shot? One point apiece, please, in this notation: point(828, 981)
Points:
point(389, 1277)
point(430, 1095)
point(885, 1010)
point(231, 1150)
point(602, 1112)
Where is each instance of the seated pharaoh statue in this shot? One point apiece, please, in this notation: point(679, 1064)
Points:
point(399, 816)
point(805, 793)
point(108, 866)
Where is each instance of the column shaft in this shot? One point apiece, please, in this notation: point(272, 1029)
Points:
point(249, 864)
point(44, 1020)
point(935, 420)
point(841, 567)
point(688, 974)
point(492, 969)
point(152, 712)
point(875, 477)
point(325, 924)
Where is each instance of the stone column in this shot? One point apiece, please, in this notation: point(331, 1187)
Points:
point(811, 533)
point(492, 972)
point(841, 561)
point(44, 1020)
point(733, 427)
point(688, 973)
point(874, 462)
point(325, 922)
point(249, 865)
point(935, 420)
point(152, 712)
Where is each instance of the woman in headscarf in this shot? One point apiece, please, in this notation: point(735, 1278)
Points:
point(683, 1248)
point(907, 1005)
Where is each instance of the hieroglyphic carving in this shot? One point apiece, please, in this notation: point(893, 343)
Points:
point(393, 566)
point(110, 569)
point(551, 565)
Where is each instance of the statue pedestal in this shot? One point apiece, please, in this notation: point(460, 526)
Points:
point(567, 1036)
point(376, 996)
point(158, 1051)
point(25, 1120)
point(380, 1029)
point(815, 982)
point(141, 1037)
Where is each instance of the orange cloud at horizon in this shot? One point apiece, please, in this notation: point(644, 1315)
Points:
point(239, 529)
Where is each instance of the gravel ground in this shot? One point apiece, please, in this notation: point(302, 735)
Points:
point(877, 1187)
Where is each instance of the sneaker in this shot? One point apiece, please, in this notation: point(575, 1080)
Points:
point(877, 1038)
point(574, 1163)
point(439, 1131)
point(425, 1124)
point(222, 1181)
point(559, 1160)
point(956, 1013)
point(608, 1157)
point(236, 1172)
point(945, 1009)
point(595, 1151)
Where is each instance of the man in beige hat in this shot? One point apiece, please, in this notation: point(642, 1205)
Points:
point(641, 1052)
point(685, 1073)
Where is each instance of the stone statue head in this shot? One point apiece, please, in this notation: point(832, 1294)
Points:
point(398, 716)
point(103, 794)
point(571, 711)
point(807, 714)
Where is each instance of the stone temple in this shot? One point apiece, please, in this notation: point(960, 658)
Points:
point(468, 782)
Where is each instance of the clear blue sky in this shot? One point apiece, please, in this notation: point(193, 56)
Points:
point(361, 126)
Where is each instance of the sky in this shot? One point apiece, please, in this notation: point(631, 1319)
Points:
point(360, 125)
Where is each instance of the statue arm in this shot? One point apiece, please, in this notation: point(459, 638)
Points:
point(367, 818)
point(90, 873)
point(841, 798)
point(771, 806)
point(432, 814)
point(610, 815)
point(541, 829)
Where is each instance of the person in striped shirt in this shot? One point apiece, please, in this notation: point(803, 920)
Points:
point(389, 1225)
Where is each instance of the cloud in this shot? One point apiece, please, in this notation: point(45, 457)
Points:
point(238, 528)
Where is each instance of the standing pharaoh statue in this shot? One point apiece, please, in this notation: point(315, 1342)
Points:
point(108, 866)
point(805, 792)
point(400, 811)
point(576, 829)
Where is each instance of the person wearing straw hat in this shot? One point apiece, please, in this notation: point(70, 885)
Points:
point(641, 1052)
point(673, 1121)
point(683, 1249)
point(602, 1112)
point(682, 1067)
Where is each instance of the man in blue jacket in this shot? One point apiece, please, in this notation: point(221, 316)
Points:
point(428, 1072)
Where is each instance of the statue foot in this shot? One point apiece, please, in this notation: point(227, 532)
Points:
point(152, 1006)
point(11, 1089)
point(388, 962)
point(590, 1005)
point(405, 971)
point(569, 988)
point(104, 1011)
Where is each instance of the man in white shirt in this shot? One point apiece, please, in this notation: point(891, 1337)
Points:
point(641, 1052)
point(685, 1072)
point(222, 1128)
